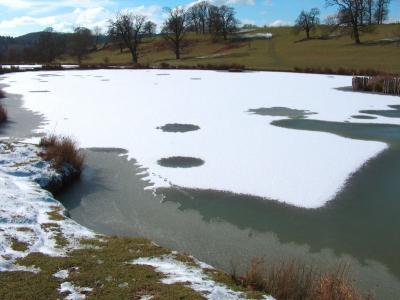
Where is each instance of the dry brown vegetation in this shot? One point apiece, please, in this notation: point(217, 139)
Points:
point(296, 281)
point(62, 151)
point(381, 84)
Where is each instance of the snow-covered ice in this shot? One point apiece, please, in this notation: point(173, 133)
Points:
point(178, 272)
point(243, 152)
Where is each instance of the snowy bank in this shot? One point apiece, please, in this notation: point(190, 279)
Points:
point(243, 152)
point(26, 208)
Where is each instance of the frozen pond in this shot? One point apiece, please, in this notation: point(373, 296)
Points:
point(242, 151)
point(205, 144)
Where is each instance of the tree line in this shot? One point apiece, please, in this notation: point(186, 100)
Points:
point(352, 16)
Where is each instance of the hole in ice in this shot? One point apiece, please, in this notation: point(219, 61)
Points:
point(281, 112)
point(181, 162)
point(178, 127)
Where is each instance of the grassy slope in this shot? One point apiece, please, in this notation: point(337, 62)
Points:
point(102, 265)
point(283, 52)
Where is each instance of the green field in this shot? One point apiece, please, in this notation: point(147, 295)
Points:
point(284, 52)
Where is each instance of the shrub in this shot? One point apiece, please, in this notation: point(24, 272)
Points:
point(164, 65)
point(62, 152)
point(295, 280)
point(2, 94)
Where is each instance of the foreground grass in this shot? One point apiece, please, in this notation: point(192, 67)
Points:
point(102, 266)
point(285, 51)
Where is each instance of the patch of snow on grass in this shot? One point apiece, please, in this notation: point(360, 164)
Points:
point(243, 153)
point(74, 293)
point(25, 208)
point(62, 274)
point(178, 272)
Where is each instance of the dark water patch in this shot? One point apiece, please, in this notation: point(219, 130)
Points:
point(281, 112)
point(111, 199)
point(350, 89)
point(363, 117)
point(195, 78)
point(386, 133)
point(21, 122)
point(180, 162)
point(44, 91)
point(178, 128)
point(105, 80)
point(163, 74)
point(43, 81)
point(108, 150)
point(50, 75)
point(389, 113)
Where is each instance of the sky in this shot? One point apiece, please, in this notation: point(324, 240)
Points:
point(18, 17)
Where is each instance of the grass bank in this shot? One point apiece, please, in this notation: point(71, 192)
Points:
point(286, 51)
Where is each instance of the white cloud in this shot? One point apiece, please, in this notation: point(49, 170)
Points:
point(87, 17)
point(279, 23)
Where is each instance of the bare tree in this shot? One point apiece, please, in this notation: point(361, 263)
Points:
point(350, 14)
point(202, 12)
point(80, 42)
point(149, 29)
point(198, 16)
point(214, 24)
point(129, 29)
point(381, 11)
point(97, 31)
point(228, 22)
point(307, 21)
point(175, 28)
point(46, 46)
point(370, 11)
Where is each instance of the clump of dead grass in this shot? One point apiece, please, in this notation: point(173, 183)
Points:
point(62, 152)
point(293, 280)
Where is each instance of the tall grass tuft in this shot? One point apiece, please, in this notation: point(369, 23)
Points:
point(293, 280)
point(62, 152)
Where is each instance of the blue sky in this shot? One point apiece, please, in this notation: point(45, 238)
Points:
point(18, 17)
